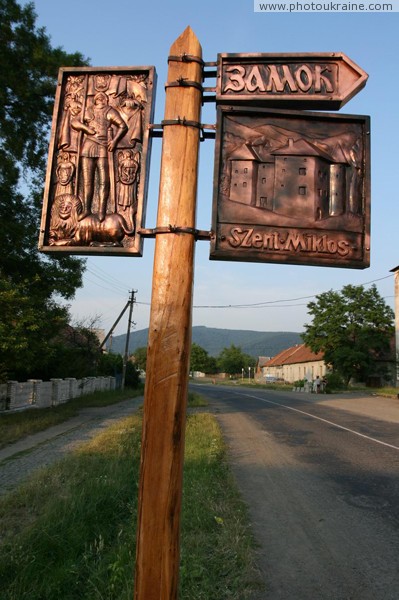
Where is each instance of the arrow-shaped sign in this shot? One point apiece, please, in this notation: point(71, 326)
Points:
point(298, 81)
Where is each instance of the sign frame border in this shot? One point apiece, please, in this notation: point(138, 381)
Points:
point(288, 101)
point(136, 249)
point(224, 255)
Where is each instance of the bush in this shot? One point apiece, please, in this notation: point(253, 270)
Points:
point(132, 377)
point(334, 382)
point(300, 383)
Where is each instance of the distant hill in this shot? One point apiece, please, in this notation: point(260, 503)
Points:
point(254, 343)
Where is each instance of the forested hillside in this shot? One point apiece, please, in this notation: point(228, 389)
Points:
point(254, 343)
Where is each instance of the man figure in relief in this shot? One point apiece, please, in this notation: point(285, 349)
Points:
point(103, 127)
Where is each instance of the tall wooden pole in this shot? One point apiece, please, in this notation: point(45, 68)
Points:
point(158, 535)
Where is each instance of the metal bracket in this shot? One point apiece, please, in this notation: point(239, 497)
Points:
point(184, 82)
point(185, 122)
point(213, 72)
point(186, 58)
point(197, 233)
point(209, 134)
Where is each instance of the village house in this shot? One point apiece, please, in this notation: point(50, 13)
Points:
point(293, 364)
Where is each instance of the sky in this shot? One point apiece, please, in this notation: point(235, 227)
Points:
point(130, 33)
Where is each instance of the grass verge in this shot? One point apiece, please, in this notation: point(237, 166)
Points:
point(70, 531)
point(14, 426)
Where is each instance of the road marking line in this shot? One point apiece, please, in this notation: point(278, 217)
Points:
point(367, 437)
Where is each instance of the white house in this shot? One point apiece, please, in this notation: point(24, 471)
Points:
point(294, 364)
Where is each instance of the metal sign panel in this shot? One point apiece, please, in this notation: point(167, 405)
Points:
point(297, 81)
point(96, 184)
point(292, 187)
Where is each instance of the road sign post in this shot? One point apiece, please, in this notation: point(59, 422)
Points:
point(157, 557)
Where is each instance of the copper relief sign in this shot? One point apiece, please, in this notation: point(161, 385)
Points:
point(298, 81)
point(291, 187)
point(98, 161)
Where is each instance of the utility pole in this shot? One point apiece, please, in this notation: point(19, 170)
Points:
point(109, 334)
point(129, 325)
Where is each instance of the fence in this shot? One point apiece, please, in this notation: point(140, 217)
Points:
point(34, 392)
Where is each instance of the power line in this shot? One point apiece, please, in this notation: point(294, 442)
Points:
point(264, 304)
point(99, 285)
point(106, 280)
point(101, 274)
point(267, 303)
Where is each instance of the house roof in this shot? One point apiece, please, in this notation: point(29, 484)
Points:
point(262, 361)
point(302, 147)
point(296, 354)
point(243, 152)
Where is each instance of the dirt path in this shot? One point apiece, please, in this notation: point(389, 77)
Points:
point(17, 461)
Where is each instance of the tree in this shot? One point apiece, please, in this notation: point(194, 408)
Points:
point(28, 75)
point(201, 361)
point(232, 360)
point(76, 351)
point(112, 364)
point(353, 328)
point(140, 358)
point(26, 333)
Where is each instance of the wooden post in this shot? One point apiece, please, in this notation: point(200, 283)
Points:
point(158, 532)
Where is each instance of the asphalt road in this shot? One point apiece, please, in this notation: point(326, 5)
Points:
point(320, 475)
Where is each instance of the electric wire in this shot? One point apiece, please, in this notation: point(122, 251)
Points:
point(105, 277)
point(101, 273)
point(120, 287)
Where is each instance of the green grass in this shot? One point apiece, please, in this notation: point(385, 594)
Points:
point(383, 391)
point(253, 384)
point(14, 426)
point(69, 533)
point(196, 400)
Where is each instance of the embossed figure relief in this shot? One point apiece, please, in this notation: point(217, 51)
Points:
point(292, 187)
point(99, 152)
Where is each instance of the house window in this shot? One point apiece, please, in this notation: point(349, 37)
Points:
point(244, 184)
point(263, 179)
point(302, 171)
point(302, 190)
point(245, 170)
